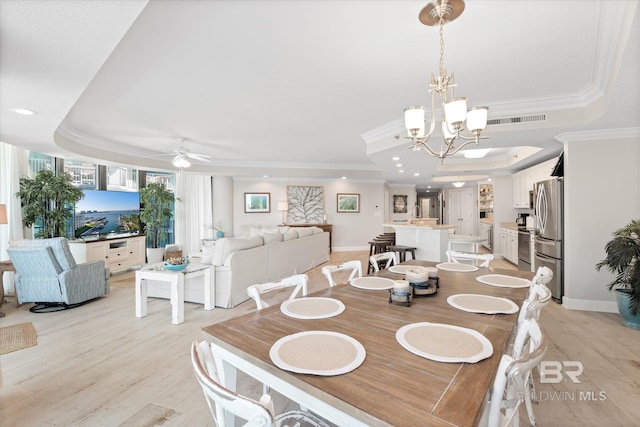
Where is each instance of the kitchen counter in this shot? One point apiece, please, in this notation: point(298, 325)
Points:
point(431, 241)
point(488, 221)
point(509, 225)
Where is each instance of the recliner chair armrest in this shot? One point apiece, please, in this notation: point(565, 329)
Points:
point(88, 272)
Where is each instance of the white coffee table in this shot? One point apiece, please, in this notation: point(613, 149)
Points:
point(176, 280)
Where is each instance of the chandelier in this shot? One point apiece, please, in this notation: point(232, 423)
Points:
point(455, 115)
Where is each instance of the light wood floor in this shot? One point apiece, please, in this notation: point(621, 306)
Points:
point(99, 365)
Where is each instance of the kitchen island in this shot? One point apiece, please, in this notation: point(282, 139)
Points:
point(431, 241)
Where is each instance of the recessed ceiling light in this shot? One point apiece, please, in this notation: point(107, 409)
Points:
point(265, 176)
point(401, 171)
point(395, 159)
point(399, 165)
point(458, 184)
point(416, 174)
point(477, 153)
point(344, 177)
point(489, 179)
point(428, 186)
point(23, 111)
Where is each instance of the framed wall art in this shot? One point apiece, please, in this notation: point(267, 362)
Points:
point(399, 204)
point(306, 204)
point(257, 202)
point(348, 202)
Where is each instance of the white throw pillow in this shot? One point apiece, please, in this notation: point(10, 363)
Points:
point(316, 230)
point(289, 235)
point(207, 254)
point(271, 238)
point(304, 231)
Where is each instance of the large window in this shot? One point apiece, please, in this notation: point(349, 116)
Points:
point(169, 181)
point(120, 178)
point(40, 162)
point(83, 174)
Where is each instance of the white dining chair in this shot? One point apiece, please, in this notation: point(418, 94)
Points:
point(479, 260)
point(355, 266)
point(384, 260)
point(297, 281)
point(510, 386)
point(223, 402)
point(543, 276)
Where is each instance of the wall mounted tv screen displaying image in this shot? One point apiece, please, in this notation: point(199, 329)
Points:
point(107, 212)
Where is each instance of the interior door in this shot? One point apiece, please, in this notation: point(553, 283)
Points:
point(461, 210)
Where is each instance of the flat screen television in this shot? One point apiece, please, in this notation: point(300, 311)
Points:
point(107, 213)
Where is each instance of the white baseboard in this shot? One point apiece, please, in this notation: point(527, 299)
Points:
point(590, 305)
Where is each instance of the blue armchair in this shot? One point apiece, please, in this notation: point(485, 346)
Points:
point(47, 274)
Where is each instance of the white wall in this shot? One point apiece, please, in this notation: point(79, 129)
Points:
point(351, 231)
point(602, 194)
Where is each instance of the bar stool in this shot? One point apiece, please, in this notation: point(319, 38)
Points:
point(377, 246)
point(402, 251)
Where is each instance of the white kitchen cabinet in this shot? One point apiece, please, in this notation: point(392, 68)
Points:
point(521, 189)
point(117, 254)
point(523, 182)
point(509, 244)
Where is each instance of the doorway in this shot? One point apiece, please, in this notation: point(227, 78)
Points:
point(460, 210)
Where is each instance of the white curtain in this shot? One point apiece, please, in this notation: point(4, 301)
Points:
point(194, 211)
point(11, 160)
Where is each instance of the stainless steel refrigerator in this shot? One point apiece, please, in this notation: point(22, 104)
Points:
point(548, 209)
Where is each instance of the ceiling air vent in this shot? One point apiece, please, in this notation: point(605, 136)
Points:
point(520, 119)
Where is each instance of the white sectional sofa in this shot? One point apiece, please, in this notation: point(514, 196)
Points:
point(266, 256)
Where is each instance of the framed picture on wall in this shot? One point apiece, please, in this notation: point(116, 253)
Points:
point(257, 202)
point(399, 204)
point(348, 202)
point(306, 204)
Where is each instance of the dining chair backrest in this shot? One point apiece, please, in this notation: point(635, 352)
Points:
point(510, 386)
point(297, 281)
point(538, 297)
point(223, 402)
point(480, 260)
point(384, 260)
point(355, 266)
point(543, 275)
point(221, 399)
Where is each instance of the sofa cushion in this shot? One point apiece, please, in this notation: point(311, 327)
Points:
point(304, 231)
point(289, 235)
point(228, 245)
point(316, 230)
point(271, 238)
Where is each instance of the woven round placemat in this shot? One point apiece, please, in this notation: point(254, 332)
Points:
point(17, 337)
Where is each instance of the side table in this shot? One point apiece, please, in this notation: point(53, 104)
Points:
point(6, 266)
point(175, 280)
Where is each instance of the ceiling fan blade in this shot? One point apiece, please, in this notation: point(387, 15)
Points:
point(201, 157)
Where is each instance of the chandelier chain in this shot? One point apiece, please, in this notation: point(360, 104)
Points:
point(442, 70)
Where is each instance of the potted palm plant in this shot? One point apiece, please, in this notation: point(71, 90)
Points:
point(47, 201)
point(623, 255)
point(155, 213)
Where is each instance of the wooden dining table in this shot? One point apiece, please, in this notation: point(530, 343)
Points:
point(393, 386)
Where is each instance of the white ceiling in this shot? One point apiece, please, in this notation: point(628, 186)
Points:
point(312, 88)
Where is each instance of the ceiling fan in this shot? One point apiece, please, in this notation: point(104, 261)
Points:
point(182, 156)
